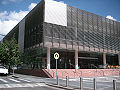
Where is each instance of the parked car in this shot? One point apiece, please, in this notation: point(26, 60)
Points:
point(3, 70)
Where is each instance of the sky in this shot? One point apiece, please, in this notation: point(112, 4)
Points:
point(12, 11)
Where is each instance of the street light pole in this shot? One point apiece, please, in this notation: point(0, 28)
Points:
point(56, 56)
point(56, 68)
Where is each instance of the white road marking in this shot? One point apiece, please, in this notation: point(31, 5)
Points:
point(22, 85)
point(7, 85)
point(24, 80)
point(3, 80)
point(104, 88)
point(13, 80)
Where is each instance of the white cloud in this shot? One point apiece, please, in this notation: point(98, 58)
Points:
point(32, 5)
point(3, 15)
point(17, 15)
point(61, 1)
point(110, 17)
point(9, 19)
point(6, 26)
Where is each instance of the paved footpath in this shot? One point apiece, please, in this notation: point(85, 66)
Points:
point(102, 83)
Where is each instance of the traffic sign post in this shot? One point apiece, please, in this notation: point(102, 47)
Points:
point(56, 56)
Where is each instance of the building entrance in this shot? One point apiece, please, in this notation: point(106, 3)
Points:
point(66, 60)
point(87, 62)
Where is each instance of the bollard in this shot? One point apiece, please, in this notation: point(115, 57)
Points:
point(114, 84)
point(119, 73)
point(67, 81)
point(57, 80)
point(80, 83)
point(94, 81)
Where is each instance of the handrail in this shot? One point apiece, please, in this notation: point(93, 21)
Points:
point(65, 72)
point(94, 66)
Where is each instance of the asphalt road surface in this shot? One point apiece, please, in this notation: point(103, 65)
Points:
point(26, 82)
point(23, 83)
point(33, 88)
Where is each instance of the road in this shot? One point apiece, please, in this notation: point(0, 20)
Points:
point(33, 88)
point(26, 82)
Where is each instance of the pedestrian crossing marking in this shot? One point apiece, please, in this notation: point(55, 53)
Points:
point(13, 80)
point(22, 85)
point(7, 80)
point(24, 80)
point(3, 80)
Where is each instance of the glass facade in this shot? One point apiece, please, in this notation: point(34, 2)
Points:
point(14, 32)
point(33, 27)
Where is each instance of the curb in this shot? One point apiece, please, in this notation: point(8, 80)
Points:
point(14, 76)
point(62, 87)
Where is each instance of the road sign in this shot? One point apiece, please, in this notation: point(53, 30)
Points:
point(56, 55)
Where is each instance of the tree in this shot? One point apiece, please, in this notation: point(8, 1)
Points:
point(10, 53)
point(3, 53)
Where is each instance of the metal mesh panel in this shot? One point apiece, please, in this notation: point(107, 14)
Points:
point(95, 31)
point(74, 17)
point(87, 30)
point(69, 15)
point(55, 31)
point(62, 35)
point(111, 27)
point(80, 36)
point(80, 19)
point(33, 27)
point(99, 24)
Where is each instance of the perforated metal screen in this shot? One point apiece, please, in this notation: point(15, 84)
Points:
point(84, 29)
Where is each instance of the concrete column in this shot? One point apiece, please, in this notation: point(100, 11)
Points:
point(104, 58)
point(76, 59)
point(119, 58)
point(48, 57)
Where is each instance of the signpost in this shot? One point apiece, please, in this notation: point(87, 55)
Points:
point(56, 56)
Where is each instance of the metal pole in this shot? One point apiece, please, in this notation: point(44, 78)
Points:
point(56, 68)
point(114, 84)
point(94, 81)
point(119, 73)
point(13, 70)
point(80, 83)
point(56, 73)
point(66, 81)
point(57, 80)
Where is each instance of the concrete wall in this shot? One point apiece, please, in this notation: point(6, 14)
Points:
point(73, 73)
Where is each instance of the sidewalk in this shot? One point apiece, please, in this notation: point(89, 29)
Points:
point(104, 83)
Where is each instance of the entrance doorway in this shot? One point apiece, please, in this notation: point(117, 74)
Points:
point(87, 62)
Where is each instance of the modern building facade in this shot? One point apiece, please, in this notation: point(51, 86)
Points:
point(82, 39)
